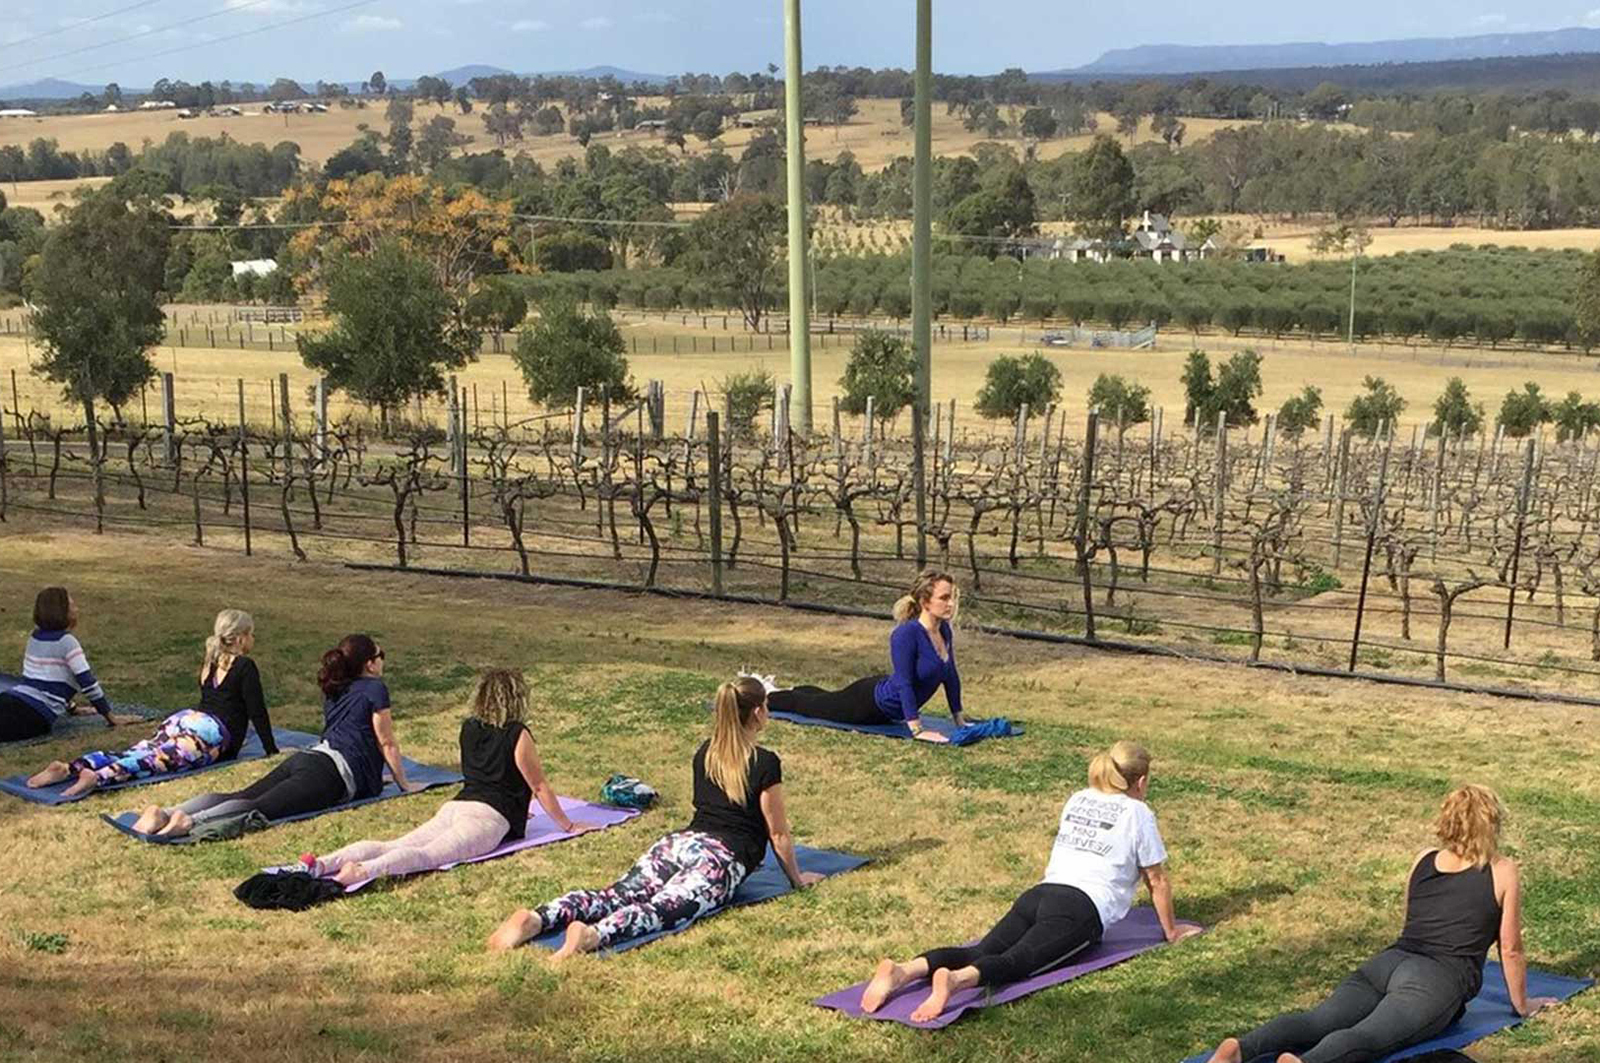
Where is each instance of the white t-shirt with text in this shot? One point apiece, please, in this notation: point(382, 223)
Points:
point(1103, 841)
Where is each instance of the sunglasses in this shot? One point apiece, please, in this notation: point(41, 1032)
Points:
point(379, 657)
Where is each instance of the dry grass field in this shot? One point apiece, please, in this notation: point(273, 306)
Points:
point(1291, 808)
point(207, 378)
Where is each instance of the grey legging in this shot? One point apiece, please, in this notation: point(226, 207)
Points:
point(1394, 1000)
point(308, 781)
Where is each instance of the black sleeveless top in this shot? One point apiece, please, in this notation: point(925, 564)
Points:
point(489, 761)
point(1452, 917)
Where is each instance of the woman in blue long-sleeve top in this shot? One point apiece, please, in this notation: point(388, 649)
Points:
point(922, 653)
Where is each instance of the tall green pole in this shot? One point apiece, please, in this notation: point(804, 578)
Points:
point(922, 212)
point(799, 306)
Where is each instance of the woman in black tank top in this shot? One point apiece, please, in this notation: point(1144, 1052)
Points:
point(502, 770)
point(1460, 899)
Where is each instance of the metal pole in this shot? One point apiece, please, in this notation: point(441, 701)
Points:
point(799, 307)
point(714, 461)
point(922, 210)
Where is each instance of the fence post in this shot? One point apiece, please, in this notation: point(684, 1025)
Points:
point(1021, 430)
point(714, 460)
point(283, 406)
point(1339, 484)
point(577, 427)
point(505, 405)
point(838, 439)
point(1378, 495)
point(244, 471)
point(461, 463)
point(1155, 448)
point(1219, 492)
point(866, 439)
point(1523, 498)
point(1083, 522)
point(169, 413)
point(322, 417)
point(453, 435)
point(694, 413)
point(1438, 489)
point(919, 482)
point(3, 467)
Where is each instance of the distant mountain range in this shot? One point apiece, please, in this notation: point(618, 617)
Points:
point(56, 89)
point(1167, 59)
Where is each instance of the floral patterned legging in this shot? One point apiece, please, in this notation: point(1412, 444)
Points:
point(680, 877)
point(185, 740)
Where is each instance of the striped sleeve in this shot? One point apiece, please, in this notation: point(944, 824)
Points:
point(88, 685)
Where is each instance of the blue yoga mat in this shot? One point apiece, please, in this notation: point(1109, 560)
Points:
point(895, 729)
point(1489, 1012)
point(426, 774)
point(17, 785)
point(72, 723)
point(767, 882)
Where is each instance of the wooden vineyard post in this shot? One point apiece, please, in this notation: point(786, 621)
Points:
point(1340, 476)
point(283, 408)
point(244, 471)
point(577, 427)
point(714, 476)
point(1378, 494)
point(453, 435)
point(322, 418)
point(919, 483)
point(1523, 498)
point(1219, 492)
point(1084, 495)
point(3, 468)
point(1438, 490)
point(866, 439)
point(461, 465)
point(169, 415)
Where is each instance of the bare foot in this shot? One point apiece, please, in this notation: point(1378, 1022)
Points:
point(1227, 1052)
point(933, 1007)
point(350, 874)
point(87, 780)
point(1288, 1058)
point(521, 925)
point(152, 819)
point(581, 937)
point(178, 823)
point(889, 977)
point(57, 772)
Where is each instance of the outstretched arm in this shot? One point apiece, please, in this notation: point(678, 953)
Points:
point(533, 774)
point(255, 704)
point(777, 818)
point(383, 727)
point(1512, 960)
point(1160, 886)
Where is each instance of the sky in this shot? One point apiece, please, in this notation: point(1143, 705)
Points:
point(134, 42)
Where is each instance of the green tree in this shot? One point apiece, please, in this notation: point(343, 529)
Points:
point(569, 250)
point(97, 287)
point(1100, 190)
point(1379, 405)
point(497, 306)
point(1013, 380)
point(1038, 123)
point(1122, 403)
point(401, 138)
point(1301, 413)
point(439, 140)
point(1574, 418)
point(881, 365)
point(735, 246)
point(1524, 411)
point(395, 331)
point(745, 396)
point(1455, 412)
point(1238, 384)
point(1197, 384)
point(707, 126)
point(568, 349)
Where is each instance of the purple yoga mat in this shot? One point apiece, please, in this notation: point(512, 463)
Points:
point(1139, 932)
point(541, 830)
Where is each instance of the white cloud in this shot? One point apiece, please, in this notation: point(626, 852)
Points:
point(529, 25)
point(269, 7)
point(1592, 18)
point(372, 24)
point(597, 22)
point(1486, 21)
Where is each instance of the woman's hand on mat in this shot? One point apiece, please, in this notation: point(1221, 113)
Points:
point(411, 786)
point(580, 827)
point(1181, 932)
point(122, 718)
point(809, 878)
point(929, 735)
point(1538, 1004)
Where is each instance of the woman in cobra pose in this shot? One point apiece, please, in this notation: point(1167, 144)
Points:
point(54, 671)
point(1107, 843)
point(1459, 899)
point(503, 774)
point(738, 810)
point(923, 655)
point(231, 701)
point(347, 765)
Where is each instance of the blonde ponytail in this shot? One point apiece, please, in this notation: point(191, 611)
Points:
point(729, 752)
point(909, 606)
point(1120, 768)
point(230, 626)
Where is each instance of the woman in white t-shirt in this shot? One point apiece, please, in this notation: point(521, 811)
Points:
point(1107, 842)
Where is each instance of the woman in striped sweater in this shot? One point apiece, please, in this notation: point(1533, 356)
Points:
point(54, 671)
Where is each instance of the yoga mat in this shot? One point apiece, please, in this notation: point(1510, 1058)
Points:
point(1489, 1012)
point(889, 729)
point(1139, 932)
point(426, 774)
point(71, 724)
point(767, 882)
point(17, 785)
point(541, 830)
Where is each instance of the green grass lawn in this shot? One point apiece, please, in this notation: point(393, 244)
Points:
point(1292, 809)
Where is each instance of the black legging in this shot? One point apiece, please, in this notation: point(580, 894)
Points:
point(307, 782)
point(1394, 1000)
point(1046, 927)
point(19, 720)
point(856, 703)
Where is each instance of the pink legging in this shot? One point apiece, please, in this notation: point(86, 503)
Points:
point(459, 831)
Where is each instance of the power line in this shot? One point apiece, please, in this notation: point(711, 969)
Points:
point(79, 24)
point(243, 6)
point(231, 36)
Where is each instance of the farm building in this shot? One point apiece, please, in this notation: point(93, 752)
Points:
point(18, 112)
point(157, 105)
point(256, 267)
